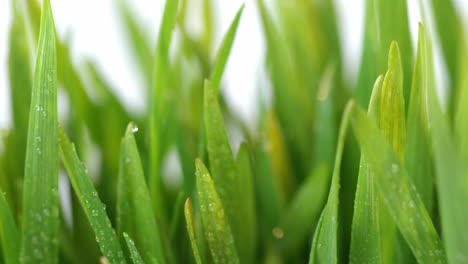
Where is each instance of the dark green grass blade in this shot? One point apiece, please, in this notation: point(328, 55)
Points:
point(302, 215)
point(451, 176)
point(146, 232)
point(399, 194)
point(190, 229)
point(418, 158)
point(161, 73)
point(89, 199)
point(9, 233)
point(135, 255)
point(325, 247)
point(365, 230)
point(224, 51)
point(41, 202)
point(217, 229)
point(248, 238)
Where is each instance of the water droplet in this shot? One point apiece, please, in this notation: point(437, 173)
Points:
point(134, 129)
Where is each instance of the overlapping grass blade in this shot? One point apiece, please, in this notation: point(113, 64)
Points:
point(190, 229)
point(365, 231)
point(325, 245)
point(418, 158)
point(40, 197)
point(161, 73)
point(139, 200)
point(399, 194)
point(450, 175)
point(135, 255)
point(224, 171)
point(217, 229)
point(89, 199)
point(301, 216)
point(9, 233)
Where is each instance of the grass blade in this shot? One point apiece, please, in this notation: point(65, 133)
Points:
point(41, 202)
point(89, 199)
point(10, 235)
point(450, 176)
point(224, 51)
point(365, 231)
point(418, 160)
point(303, 213)
point(156, 117)
point(190, 229)
point(399, 194)
point(325, 246)
point(139, 200)
point(135, 255)
point(217, 229)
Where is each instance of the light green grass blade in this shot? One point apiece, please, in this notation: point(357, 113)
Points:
point(365, 230)
point(135, 255)
point(40, 198)
point(160, 84)
point(418, 158)
point(89, 199)
point(392, 124)
point(451, 176)
point(461, 112)
point(302, 215)
point(400, 196)
point(248, 238)
point(146, 232)
point(190, 229)
point(325, 247)
point(9, 233)
point(217, 229)
point(224, 51)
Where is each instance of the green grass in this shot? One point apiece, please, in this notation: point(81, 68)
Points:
point(316, 180)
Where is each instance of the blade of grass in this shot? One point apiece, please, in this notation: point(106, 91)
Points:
point(217, 229)
point(365, 231)
point(450, 175)
point(135, 255)
point(10, 235)
point(399, 194)
point(161, 68)
point(325, 246)
point(89, 199)
point(302, 215)
point(190, 229)
point(418, 158)
point(40, 197)
point(139, 200)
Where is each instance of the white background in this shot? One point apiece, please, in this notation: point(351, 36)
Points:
point(95, 31)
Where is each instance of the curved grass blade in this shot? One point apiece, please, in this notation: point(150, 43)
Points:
point(135, 255)
point(365, 231)
point(40, 200)
point(160, 84)
point(146, 233)
point(325, 246)
point(217, 229)
point(9, 233)
point(302, 215)
point(89, 199)
point(418, 158)
point(399, 194)
point(450, 175)
point(224, 51)
point(190, 229)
